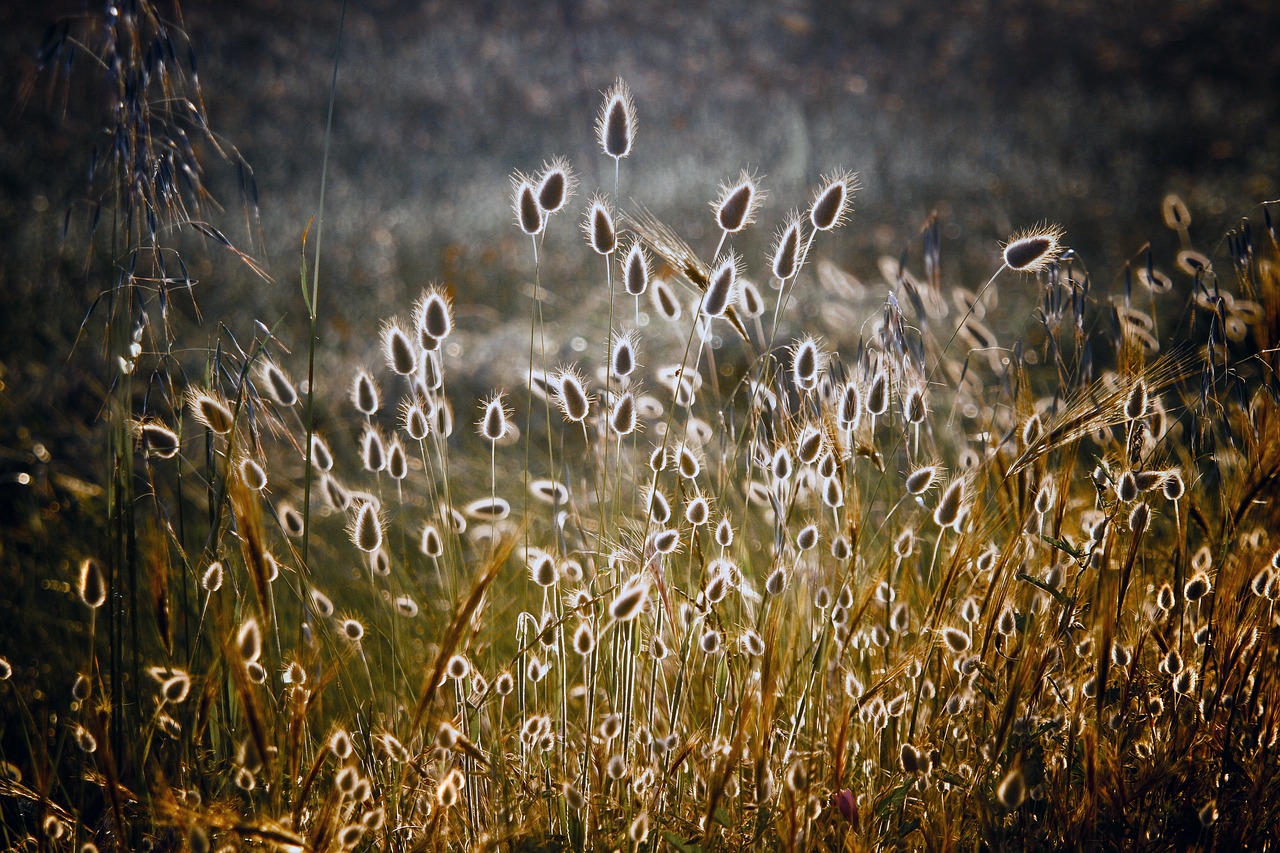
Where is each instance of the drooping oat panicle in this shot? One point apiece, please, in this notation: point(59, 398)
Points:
point(1034, 249)
point(833, 201)
point(616, 124)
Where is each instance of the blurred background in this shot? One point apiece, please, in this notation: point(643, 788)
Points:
point(995, 114)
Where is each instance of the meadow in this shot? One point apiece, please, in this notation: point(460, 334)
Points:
point(969, 563)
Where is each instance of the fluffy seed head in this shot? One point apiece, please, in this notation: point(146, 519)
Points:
point(1197, 588)
point(721, 286)
point(622, 360)
point(495, 422)
point(353, 630)
point(399, 351)
point(524, 202)
point(555, 186)
point(736, 206)
point(616, 124)
point(434, 316)
point(786, 259)
point(919, 480)
point(878, 394)
point(1012, 790)
point(278, 384)
point(1034, 249)
point(584, 639)
point(575, 402)
point(157, 440)
point(92, 584)
point(599, 228)
point(364, 393)
point(947, 513)
point(1137, 402)
point(635, 269)
point(366, 529)
point(210, 411)
point(664, 300)
point(833, 201)
point(623, 418)
point(321, 458)
point(211, 580)
point(631, 597)
point(807, 362)
point(249, 640)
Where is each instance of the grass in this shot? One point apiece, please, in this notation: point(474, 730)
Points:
point(719, 584)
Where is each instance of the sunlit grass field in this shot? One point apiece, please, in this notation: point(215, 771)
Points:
point(970, 564)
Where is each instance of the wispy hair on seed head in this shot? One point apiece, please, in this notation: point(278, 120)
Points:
point(616, 123)
point(1033, 249)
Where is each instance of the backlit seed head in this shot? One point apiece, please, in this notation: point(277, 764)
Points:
point(722, 286)
point(622, 359)
point(750, 643)
point(504, 684)
point(658, 507)
point(948, 512)
point(623, 418)
point(573, 797)
point(635, 269)
point(724, 533)
point(697, 511)
point(878, 394)
point(957, 641)
point(157, 440)
point(638, 832)
point(914, 408)
point(1012, 790)
point(1261, 581)
point(1197, 588)
point(807, 537)
point(709, 642)
point(750, 302)
point(399, 351)
point(1034, 249)
point(599, 228)
point(433, 316)
point(353, 630)
point(1208, 814)
point(495, 420)
point(735, 207)
point(210, 411)
point(278, 384)
point(6, 669)
point(833, 201)
point(1031, 430)
point(899, 618)
point(1173, 486)
point(252, 475)
point(321, 458)
point(373, 453)
point(584, 639)
point(616, 124)
point(776, 582)
point(86, 741)
point(919, 480)
point(92, 583)
point(807, 363)
point(785, 260)
point(630, 599)
point(458, 667)
point(431, 545)
point(575, 402)
point(1136, 403)
point(175, 689)
point(524, 203)
point(397, 461)
point(366, 528)
point(1184, 683)
point(555, 186)
point(1007, 622)
point(910, 759)
point(1139, 518)
point(664, 300)
point(249, 640)
point(364, 393)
